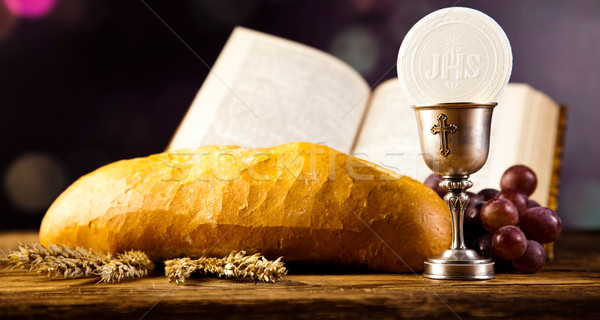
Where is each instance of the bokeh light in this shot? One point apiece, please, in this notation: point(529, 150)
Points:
point(30, 8)
point(8, 21)
point(33, 181)
point(366, 6)
point(77, 13)
point(357, 46)
point(581, 205)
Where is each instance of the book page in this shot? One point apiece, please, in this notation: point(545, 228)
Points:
point(541, 130)
point(505, 135)
point(389, 135)
point(265, 91)
point(524, 129)
point(523, 132)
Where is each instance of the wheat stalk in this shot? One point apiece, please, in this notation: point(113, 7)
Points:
point(56, 261)
point(235, 265)
point(60, 260)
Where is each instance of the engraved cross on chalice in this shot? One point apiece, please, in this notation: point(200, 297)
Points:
point(442, 129)
point(455, 143)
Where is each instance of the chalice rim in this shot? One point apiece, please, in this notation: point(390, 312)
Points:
point(456, 105)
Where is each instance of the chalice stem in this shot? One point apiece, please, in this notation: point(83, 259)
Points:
point(457, 200)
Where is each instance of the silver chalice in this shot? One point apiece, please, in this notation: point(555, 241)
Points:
point(455, 143)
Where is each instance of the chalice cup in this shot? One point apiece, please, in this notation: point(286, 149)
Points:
point(455, 143)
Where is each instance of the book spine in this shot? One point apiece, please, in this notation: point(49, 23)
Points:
point(558, 156)
point(556, 169)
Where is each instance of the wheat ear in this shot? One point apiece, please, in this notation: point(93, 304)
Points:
point(235, 265)
point(59, 260)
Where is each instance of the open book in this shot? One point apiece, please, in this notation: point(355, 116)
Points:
point(264, 91)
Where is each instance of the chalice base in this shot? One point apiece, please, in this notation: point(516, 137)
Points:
point(459, 264)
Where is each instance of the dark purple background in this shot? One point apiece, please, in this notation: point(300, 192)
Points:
point(97, 81)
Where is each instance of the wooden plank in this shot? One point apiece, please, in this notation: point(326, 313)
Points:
point(567, 288)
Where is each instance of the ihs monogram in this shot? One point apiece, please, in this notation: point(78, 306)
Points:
point(454, 60)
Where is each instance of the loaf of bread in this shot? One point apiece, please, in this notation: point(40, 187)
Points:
point(306, 202)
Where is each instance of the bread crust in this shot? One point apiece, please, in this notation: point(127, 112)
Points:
point(306, 202)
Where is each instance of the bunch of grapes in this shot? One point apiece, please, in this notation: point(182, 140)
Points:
point(506, 225)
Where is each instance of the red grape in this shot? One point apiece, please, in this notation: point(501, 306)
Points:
point(473, 198)
point(487, 194)
point(533, 259)
point(520, 177)
point(518, 197)
point(541, 224)
point(483, 245)
point(497, 213)
point(509, 243)
point(472, 219)
point(433, 181)
point(533, 203)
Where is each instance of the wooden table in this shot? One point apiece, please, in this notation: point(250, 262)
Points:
point(568, 287)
